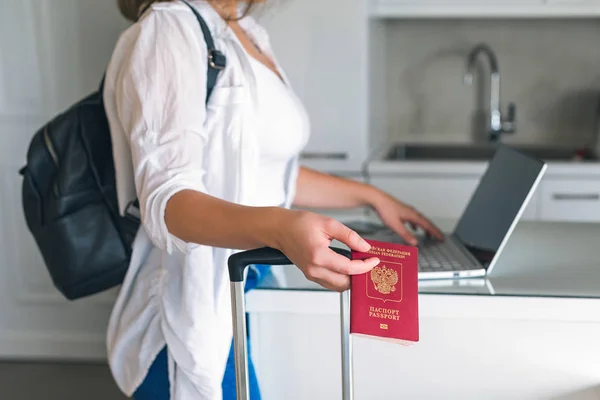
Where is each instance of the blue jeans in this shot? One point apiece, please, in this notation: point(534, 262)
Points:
point(156, 384)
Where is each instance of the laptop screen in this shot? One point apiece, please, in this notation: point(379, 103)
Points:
point(496, 202)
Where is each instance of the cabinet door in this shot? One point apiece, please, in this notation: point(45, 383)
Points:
point(455, 8)
point(484, 8)
point(459, 3)
point(579, 3)
point(434, 196)
point(52, 53)
point(440, 196)
point(572, 200)
point(585, 8)
point(322, 45)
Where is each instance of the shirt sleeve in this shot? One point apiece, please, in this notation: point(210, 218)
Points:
point(160, 99)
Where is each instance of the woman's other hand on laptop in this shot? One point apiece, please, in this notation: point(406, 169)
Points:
point(397, 215)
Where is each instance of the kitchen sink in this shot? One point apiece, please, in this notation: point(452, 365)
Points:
point(476, 152)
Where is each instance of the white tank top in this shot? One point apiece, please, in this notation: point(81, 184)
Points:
point(283, 132)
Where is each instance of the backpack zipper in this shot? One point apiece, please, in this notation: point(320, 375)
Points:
point(53, 155)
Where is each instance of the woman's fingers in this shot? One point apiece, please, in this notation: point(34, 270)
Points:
point(337, 230)
point(401, 230)
point(427, 226)
point(330, 280)
point(343, 265)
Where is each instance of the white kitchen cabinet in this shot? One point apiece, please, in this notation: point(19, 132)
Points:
point(484, 8)
point(566, 193)
point(440, 196)
point(435, 196)
point(471, 347)
point(322, 45)
point(573, 200)
point(578, 3)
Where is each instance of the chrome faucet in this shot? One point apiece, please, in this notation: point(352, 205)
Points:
point(498, 124)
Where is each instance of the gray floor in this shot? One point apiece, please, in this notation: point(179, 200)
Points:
point(56, 381)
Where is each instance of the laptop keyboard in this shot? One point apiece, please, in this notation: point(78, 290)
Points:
point(444, 256)
point(435, 256)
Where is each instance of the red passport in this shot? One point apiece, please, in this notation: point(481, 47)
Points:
point(384, 302)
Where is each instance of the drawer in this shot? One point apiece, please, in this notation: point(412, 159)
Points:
point(434, 197)
point(572, 200)
point(440, 196)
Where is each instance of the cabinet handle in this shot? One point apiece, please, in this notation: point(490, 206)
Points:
point(329, 156)
point(577, 196)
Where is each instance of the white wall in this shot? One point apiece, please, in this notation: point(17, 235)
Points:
point(53, 52)
point(549, 68)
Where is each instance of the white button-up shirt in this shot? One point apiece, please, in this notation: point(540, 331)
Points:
point(166, 140)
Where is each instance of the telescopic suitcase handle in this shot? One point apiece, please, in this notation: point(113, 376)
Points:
point(237, 265)
point(265, 255)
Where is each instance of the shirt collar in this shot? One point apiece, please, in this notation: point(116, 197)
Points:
point(253, 29)
point(219, 27)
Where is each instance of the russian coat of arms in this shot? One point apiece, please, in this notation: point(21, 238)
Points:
point(384, 279)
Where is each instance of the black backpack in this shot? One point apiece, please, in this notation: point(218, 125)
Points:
point(69, 194)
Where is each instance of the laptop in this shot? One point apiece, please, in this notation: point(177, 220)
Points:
point(493, 211)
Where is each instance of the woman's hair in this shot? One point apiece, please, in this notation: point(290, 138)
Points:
point(132, 8)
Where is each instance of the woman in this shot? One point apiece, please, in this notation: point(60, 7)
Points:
point(211, 178)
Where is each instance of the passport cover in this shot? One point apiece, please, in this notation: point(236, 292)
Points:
point(384, 303)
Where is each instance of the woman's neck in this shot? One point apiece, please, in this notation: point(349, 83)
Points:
point(228, 9)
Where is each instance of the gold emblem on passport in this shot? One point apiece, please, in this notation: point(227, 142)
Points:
point(385, 283)
point(384, 279)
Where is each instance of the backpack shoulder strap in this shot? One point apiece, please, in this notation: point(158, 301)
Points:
point(216, 60)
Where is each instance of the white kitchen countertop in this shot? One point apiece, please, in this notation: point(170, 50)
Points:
point(530, 328)
point(571, 293)
point(573, 168)
point(542, 264)
point(377, 165)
